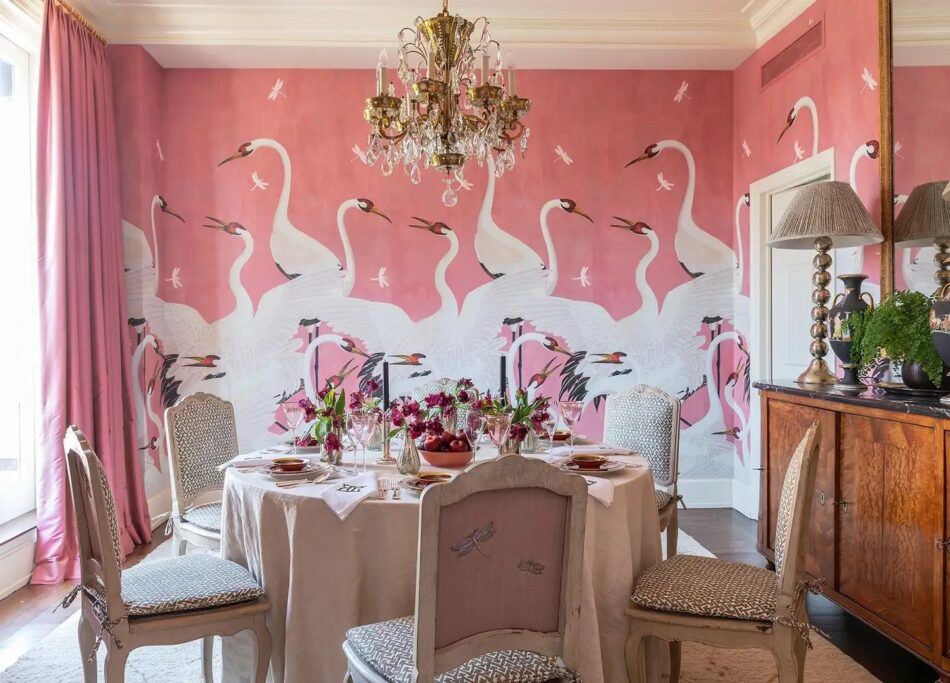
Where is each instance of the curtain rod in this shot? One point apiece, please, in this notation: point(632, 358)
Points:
point(80, 19)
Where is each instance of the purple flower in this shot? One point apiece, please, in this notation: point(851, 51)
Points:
point(434, 426)
point(331, 442)
point(356, 400)
point(432, 400)
point(464, 383)
point(396, 417)
point(416, 429)
point(464, 396)
point(519, 432)
point(411, 408)
point(372, 387)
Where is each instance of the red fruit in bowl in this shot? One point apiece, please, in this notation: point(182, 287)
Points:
point(432, 443)
point(460, 435)
point(447, 438)
point(458, 445)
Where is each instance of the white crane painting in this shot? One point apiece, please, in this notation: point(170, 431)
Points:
point(489, 279)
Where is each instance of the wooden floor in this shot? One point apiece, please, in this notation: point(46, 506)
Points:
point(731, 536)
point(27, 616)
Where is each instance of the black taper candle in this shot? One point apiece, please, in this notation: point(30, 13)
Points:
point(503, 383)
point(385, 385)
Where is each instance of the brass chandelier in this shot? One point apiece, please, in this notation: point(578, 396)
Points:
point(448, 113)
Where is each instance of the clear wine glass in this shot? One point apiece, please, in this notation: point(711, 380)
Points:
point(474, 428)
point(498, 427)
point(294, 415)
point(571, 414)
point(362, 426)
point(550, 426)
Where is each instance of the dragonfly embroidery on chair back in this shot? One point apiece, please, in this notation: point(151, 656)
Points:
point(475, 540)
point(529, 567)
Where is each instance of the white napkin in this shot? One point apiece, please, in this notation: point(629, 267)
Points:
point(265, 456)
point(598, 448)
point(343, 495)
point(601, 489)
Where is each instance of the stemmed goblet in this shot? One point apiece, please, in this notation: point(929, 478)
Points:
point(498, 427)
point(571, 414)
point(550, 426)
point(474, 428)
point(362, 427)
point(294, 414)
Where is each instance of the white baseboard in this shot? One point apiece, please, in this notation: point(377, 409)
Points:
point(744, 499)
point(160, 507)
point(16, 562)
point(706, 493)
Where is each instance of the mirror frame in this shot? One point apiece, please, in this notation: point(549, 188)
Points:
point(886, 69)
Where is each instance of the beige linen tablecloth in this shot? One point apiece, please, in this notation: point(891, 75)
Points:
point(324, 576)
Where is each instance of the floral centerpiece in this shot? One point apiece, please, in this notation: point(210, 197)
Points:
point(430, 426)
point(527, 417)
point(328, 416)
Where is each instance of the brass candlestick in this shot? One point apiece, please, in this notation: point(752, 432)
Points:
point(817, 371)
point(387, 457)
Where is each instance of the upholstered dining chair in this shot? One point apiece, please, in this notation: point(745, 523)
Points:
point(498, 582)
point(734, 605)
point(162, 602)
point(647, 420)
point(202, 435)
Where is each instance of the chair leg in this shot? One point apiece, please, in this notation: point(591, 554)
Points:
point(115, 663)
point(791, 662)
point(672, 531)
point(87, 640)
point(180, 544)
point(207, 656)
point(263, 648)
point(635, 657)
point(676, 656)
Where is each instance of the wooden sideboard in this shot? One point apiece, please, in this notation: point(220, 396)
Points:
point(879, 527)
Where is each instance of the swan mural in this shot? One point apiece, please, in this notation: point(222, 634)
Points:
point(808, 103)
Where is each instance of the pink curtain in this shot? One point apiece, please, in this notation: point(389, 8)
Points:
point(85, 376)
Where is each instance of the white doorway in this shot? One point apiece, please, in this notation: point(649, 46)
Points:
point(780, 298)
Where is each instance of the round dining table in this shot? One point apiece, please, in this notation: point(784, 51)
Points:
point(324, 575)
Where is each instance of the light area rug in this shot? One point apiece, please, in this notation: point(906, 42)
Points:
point(56, 658)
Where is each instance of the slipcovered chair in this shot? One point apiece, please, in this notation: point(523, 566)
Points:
point(202, 435)
point(165, 602)
point(647, 420)
point(498, 587)
point(733, 605)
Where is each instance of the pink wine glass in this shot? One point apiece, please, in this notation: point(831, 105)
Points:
point(571, 414)
point(294, 415)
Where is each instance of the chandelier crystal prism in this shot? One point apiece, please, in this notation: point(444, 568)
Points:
point(456, 105)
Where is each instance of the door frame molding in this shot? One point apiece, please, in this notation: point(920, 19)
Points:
point(805, 171)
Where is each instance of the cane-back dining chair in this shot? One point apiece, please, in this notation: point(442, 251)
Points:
point(733, 605)
point(647, 420)
point(434, 386)
point(202, 435)
point(498, 583)
point(162, 602)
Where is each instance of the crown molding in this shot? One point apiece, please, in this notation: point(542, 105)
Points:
point(181, 33)
point(921, 35)
point(768, 17)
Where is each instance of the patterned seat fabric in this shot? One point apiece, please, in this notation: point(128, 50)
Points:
point(662, 498)
point(190, 582)
point(387, 648)
point(206, 516)
point(708, 587)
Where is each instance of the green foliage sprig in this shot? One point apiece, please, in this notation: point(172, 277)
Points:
point(900, 327)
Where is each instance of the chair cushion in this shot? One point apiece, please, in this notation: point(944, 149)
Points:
point(662, 498)
point(206, 516)
point(708, 587)
point(387, 648)
point(190, 582)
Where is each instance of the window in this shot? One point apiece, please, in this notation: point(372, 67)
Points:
point(18, 283)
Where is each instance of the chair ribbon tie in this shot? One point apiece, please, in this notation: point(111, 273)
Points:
point(802, 588)
point(105, 624)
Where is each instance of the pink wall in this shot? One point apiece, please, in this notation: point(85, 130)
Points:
point(602, 120)
point(848, 110)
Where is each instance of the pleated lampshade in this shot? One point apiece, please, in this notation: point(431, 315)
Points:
point(826, 209)
point(925, 217)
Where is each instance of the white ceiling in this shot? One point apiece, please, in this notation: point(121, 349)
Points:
point(598, 34)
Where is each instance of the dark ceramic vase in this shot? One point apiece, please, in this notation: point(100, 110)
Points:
point(852, 300)
point(915, 378)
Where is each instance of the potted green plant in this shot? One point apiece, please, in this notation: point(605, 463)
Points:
point(900, 329)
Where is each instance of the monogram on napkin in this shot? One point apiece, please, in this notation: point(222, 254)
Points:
point(342, 496)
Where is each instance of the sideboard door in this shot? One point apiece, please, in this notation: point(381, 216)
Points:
point(786, 424)
point(889, 504)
